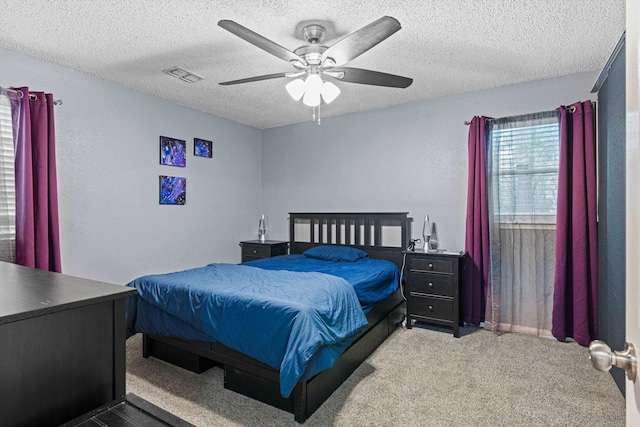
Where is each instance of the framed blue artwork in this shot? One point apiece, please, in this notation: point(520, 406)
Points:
point(173, 190)
point(173, 152)
point(202, 148)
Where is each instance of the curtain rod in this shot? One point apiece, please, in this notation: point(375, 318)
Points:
point(571, 110)
point(20, 95)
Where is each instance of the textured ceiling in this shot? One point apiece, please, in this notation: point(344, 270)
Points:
point(446, 46)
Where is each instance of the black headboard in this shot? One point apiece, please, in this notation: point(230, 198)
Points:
point(383, 235)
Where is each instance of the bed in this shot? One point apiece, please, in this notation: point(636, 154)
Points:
point(300, 381)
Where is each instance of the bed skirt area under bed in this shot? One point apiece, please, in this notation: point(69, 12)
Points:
point(259, 381)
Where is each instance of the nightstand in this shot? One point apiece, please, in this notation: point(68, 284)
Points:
point(434, 288)
point(255, 249)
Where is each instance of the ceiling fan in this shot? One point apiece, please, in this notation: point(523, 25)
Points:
point(314, 61)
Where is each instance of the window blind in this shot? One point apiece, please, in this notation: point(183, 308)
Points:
point(7, 183)
point(526, 158)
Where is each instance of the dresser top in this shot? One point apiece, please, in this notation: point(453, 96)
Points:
point(29, 292)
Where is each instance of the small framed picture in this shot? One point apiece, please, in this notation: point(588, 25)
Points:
point(202, 148)
point(173, 151)
point(173, 190)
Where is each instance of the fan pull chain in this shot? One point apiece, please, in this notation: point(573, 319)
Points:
point(314, 117)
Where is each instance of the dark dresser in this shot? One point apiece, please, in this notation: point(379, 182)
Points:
point(62, 345)
point(256, 249)
point(434, 283)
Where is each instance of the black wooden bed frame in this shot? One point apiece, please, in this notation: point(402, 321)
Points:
point(255, 379)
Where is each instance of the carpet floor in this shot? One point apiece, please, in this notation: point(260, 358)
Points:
point(417, 377)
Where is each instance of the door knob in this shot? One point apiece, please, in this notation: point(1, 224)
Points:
point(602, 358)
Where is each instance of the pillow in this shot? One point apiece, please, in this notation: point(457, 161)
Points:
point(336, 253)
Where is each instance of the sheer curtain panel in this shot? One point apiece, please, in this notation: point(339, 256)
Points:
point(522, 166)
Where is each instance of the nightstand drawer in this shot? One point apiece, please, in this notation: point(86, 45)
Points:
point(256, 251)
point(435, 265)
point(434, 284)
point(434, 308)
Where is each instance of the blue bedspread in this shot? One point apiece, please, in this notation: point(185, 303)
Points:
point(372, 279)
point(297, 322)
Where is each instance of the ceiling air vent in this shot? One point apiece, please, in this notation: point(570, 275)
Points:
point(184, 75)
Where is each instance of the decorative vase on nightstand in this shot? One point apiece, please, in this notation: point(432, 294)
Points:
point(262, 229)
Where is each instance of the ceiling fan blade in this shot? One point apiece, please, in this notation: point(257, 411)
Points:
point(260, 41)
point(358, 42)
point(255, 79)
point(368, 77)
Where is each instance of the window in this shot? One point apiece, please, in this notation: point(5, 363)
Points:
point(525, 152)
point(7, 184)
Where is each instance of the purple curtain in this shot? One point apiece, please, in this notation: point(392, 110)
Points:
point(477, 232)
point(575, 299)
point(37, 232)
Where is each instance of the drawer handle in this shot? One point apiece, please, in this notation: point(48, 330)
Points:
point(430, 266)
point(431, 284)
point(430, 308)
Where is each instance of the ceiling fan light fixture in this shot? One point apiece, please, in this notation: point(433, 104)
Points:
point(311, 99)
point(296, 88)
point(312, 90)
point(329, 92)
point(313, 84)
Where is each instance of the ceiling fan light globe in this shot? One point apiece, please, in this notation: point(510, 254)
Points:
point(295, 88)
point(311, 99)
point(313, 84)
point(329, 92)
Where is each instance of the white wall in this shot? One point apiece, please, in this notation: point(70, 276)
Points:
point(107, 136)
point(411, 157)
